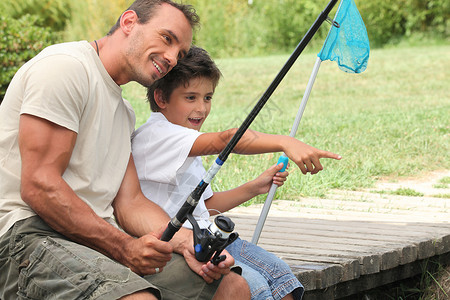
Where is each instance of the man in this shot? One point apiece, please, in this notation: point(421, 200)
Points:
point(66, 171)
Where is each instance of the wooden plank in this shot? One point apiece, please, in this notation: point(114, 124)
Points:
point(410, 244)
point(323, 253)
point(316, 275)
point(366, 282)
point(346, 243)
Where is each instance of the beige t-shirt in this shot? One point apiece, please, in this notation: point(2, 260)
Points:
point(67, 84)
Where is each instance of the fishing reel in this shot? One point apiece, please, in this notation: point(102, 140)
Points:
point(210, 242)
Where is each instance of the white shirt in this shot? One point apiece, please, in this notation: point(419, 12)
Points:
point(166, 173)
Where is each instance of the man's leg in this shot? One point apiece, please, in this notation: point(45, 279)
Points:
point(178, 282)
point(40, 263)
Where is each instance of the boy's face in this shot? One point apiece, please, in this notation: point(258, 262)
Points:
point(189, 105)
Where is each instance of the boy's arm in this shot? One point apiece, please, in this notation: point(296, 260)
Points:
point(253, 142)
point(224, 201)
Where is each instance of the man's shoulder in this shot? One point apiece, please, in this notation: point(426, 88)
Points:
point(68, 56)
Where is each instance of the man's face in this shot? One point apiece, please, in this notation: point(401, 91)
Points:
point(189, 106)
point(155, 47)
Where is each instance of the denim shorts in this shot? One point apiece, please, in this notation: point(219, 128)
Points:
point(39, 263)
point(268, 276)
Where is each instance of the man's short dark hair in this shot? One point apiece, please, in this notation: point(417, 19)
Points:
point(197, 63)
point(145, 10)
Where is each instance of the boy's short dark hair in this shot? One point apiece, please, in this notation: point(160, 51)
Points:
point(197, 63)
point(145, 10)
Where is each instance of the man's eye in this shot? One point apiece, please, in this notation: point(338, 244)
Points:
point(167, 38)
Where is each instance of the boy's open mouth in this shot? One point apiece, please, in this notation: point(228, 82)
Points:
point(195, 121)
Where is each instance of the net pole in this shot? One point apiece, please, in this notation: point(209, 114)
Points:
point(283, 158)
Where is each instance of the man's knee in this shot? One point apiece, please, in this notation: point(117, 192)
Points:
point(233, 286)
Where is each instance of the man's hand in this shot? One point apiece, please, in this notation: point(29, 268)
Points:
point(145, 254)
point(209, 272)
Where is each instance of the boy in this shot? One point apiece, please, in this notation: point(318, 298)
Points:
point(167, 152)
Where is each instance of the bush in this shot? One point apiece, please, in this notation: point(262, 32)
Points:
point(51, 13)
point(236, 28)
point(20, 41)
point(388, 21)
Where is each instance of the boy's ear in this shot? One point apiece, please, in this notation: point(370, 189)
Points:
point(157, 95)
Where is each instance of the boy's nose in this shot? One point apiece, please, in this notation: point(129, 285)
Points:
point(201, 106)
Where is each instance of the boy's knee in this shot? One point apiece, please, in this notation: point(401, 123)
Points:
point(233, 286)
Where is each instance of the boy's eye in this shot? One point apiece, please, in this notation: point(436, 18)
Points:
point(208, 98)
point(190, 97)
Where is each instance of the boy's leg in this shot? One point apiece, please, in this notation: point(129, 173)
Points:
point(276, 272)
point(259, 287)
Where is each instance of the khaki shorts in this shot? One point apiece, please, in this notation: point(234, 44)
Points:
point(38, 263)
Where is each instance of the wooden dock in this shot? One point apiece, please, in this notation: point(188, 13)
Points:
point(352, 242)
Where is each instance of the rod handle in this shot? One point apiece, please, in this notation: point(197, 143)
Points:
point(169, 232)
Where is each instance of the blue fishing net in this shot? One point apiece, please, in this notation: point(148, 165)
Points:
point(347, 44)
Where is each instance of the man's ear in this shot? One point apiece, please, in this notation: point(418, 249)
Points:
point(127, 21)
point(158, 96)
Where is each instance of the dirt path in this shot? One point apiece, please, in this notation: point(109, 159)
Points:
point(429, 185)
point(415, 198)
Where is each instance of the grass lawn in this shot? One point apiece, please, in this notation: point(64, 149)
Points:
point(392, 120)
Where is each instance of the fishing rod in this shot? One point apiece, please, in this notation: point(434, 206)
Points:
point(205, 239)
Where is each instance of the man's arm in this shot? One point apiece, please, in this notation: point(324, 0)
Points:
point(45, 150)
point(138, 216)
point(253, 142)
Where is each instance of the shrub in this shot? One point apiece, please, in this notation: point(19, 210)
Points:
point(51, 13)
point(20, 41)
point(236, 28)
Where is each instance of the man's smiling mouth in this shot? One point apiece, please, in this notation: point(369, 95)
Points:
point(157, 67)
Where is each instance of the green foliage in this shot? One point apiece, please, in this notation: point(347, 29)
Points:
point(92, 19)
point(51, 13)
point(289, 20)
point(234, 28)
point(445, 180)
point(387, 21)
point(20, 41)
point(402, 192)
